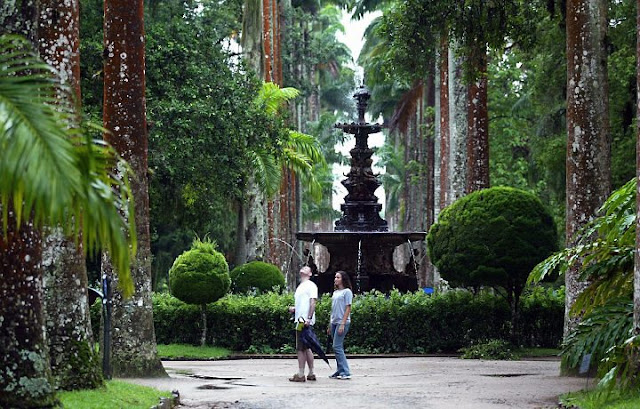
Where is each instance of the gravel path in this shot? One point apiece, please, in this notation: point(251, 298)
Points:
point(424, 382)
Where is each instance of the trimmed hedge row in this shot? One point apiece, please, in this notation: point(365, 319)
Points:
point(416, 323)
point(413, 322)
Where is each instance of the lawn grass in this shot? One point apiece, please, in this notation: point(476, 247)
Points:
point(184, 351)
point(601, 400)
point(115, 394)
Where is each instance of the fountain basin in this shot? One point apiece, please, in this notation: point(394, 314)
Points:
point(366, 256)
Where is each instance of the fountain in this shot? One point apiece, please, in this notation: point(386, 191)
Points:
point(361, 244)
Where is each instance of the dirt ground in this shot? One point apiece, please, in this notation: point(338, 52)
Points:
point(424, 382)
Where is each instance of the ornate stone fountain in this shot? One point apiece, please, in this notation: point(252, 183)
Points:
point(361, 244)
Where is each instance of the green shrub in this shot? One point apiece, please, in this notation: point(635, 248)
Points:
point(200, 275)
point(412, 322)
point(256, 276)
point(495, 349)
point(493, 238)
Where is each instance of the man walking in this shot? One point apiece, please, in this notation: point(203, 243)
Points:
point(304, 315)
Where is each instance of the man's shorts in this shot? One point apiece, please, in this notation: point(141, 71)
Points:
point(299, 344)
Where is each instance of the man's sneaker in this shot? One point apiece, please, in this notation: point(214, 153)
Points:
point(297, 378)
point(311, 377)
point(334, 376)
point(344, 377)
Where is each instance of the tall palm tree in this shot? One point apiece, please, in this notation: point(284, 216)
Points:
point(50, 174)
point(65, 273)
point(125, 117)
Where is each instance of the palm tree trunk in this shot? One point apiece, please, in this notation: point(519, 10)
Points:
point(74, 362)
point(636, 271)
point(588, 146)
point(252, 35)
point(24, 361)
point(458, 100)
point(444, 181)
point(134, 342)
point(266, 39)
point(478, 129)
point(426, 269)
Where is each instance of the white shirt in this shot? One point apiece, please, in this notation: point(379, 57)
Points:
point(304, 293)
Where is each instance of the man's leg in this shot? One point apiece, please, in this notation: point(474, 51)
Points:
point(302, 359)
point(309, 360)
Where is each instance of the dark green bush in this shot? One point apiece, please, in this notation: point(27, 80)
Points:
point(413, 322)
point(492, 237)
point(256, 276)
point(199, 275)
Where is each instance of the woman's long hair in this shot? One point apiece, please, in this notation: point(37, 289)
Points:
point(346, 280)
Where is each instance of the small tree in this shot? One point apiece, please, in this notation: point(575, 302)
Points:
point(493, 237)
point(200, 276)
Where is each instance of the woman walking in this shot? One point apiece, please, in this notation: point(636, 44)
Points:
point(340, 322)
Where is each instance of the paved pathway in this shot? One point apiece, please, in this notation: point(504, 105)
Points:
point(424, 382)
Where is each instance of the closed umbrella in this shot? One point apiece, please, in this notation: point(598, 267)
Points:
point(310, 340)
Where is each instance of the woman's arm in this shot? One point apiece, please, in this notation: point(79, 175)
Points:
point(347, 311)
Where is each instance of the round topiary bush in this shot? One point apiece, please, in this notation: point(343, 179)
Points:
point(493, 237)
point(256, 276)
point(200, 276)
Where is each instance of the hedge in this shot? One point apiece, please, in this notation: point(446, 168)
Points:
point(413, 322)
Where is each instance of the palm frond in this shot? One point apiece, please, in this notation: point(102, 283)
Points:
point(273, 97)
point(605, 327)
point(50, 170)
point(266, 171)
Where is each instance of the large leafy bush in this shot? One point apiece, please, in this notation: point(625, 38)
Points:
point(200, 275)
point(256, 276)
point(493, 237)
point(604, 253)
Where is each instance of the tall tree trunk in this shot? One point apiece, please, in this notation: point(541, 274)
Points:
point(250, 232)
point(426, 273)
point(282, 215)
point(443, 127)
point(134, 342)
point(478, 129)
point(267, 39)
point(252, 218)
point(588, 145)
point(458, 127)
point(25, 372)
point(252, 35)
point(74, 362)
point(636, 272)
